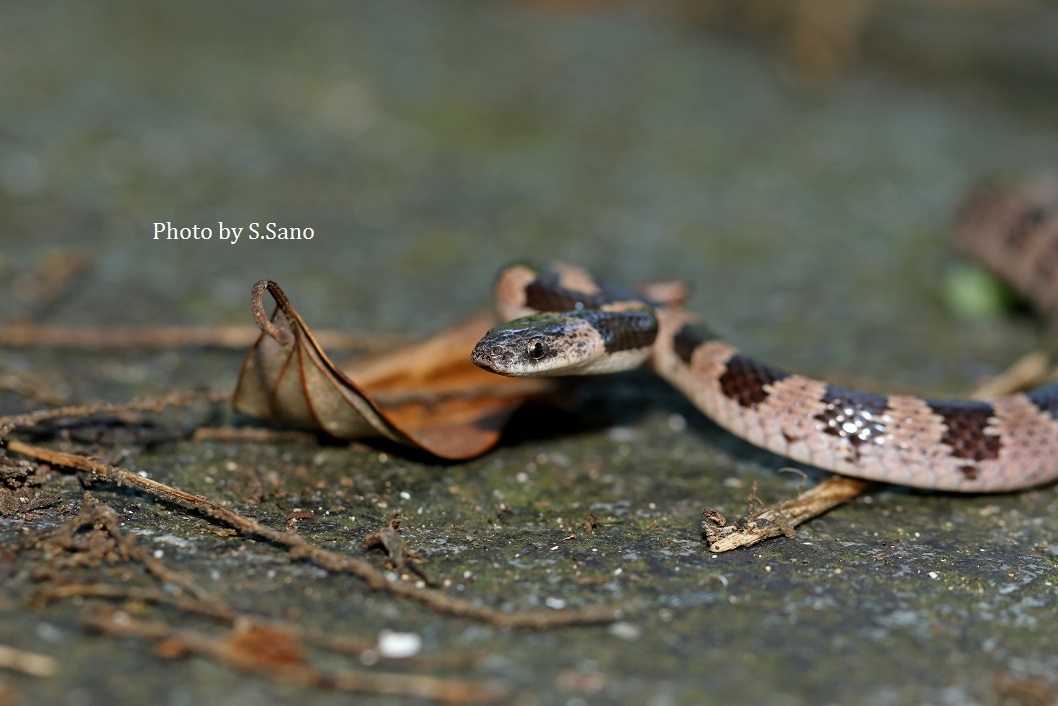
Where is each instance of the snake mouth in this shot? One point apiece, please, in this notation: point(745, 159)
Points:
point(493, 358)
point(481, 359)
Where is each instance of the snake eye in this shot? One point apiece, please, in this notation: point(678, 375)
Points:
point(536, 349)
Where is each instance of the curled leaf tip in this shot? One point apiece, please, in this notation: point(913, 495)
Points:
point(257, 307)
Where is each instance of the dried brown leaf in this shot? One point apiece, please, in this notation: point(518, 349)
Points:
point(427, 395)
point(267, 645)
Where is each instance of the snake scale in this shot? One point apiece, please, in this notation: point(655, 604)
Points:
point(562, 321)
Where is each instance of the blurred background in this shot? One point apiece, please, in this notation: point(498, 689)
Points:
point(796, 161)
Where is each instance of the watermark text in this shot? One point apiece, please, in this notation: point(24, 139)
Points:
point(231, 234)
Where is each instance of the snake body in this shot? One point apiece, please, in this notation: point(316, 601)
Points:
point(563, 321)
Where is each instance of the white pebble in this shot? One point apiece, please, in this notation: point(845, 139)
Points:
point(399, 645)
point(625, 631)
point(677, 422)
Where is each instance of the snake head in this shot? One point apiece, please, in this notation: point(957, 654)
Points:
point(568, 343)
point(541, 344)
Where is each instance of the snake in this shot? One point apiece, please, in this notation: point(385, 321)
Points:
point(562, 320)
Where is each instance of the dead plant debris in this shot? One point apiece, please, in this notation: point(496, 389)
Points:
point(237, 337)
point(273, 649)
point(278, 655)
point(31, 663)
point(592, 523)
point(428, 395)
point(762, 523)
point(92, 540)
point(301, 549)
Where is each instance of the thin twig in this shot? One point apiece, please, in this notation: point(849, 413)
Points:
point(328, 560)
point(30, 663)
point(235, 337)
point(105, 517)
point(55, 277)
point(141, 594)
point(455, 691)
point(218, 610)
point(193, 599)
point(251, 434)
point(781, 518)
point(147, 404)
point(25, 385)
point(1027, 372)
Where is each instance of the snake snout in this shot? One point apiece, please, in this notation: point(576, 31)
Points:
point(484, 356)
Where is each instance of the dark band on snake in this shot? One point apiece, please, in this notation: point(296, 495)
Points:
point(626, 330)
point(746, 380)
point(966, 429)
point(688, 338)
point(854, 415)
point(544, 296)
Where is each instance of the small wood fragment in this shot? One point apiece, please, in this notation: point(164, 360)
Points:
point(31, 663)
point(390, 541)
point(780, 518)
point(254, 435)
point(592, 523)
point(24, 335)
point(1027, 372)
point(147, 404)
point(248, 651)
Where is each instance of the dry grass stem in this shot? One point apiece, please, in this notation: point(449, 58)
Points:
point(146, 404)
point(1029, 371)
point(251, 435)
point(289, 666)
point(35, 665)
point(780, 518)
point(236, 337)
